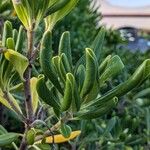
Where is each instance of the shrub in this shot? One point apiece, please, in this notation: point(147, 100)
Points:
point(70, 92)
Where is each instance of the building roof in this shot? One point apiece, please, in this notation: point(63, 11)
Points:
point(118, 16)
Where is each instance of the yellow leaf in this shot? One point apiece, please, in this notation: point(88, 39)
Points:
point(34, 93)
point(60, 139)
point(6, 103)
point(19, 62)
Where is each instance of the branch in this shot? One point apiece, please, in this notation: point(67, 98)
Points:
point(2, 50)
point(27, 76)
point(35, 53)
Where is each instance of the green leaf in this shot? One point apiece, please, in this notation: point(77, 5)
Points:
point(98, 43)
point(43, 147)
point(39, 9)
point(20, 40)
point(110, 125)
point(69, 92)
point(147, 120)
point(7, 139)
point(55, 17)
point(97, 46)
point(45, 94)
point(65, 63)
point(2, 130)
point(65, 46)
point(45, 60)
point(56, 6)
point(80, 76)
point(19, 62)
point(142, 94)
point(65, 130)
point(7, 32)
point(30, 136)
point(140, 75)
point(4, 101)
point(91, 112)
point(15, 35)
point(114, 67)
point(104, 64)
point(14, 101)
point(90, 74)
point(10, 43)
point(22, 12)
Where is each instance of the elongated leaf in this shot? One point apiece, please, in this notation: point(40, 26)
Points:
point(22, 12)
point(20, 39)
point(147, 119)
point(14, 101)
point(103, 65)
point(55, 17)
point(97, 45)
point(7, 32)
point(7, 104)
point(91, 72)
point(7, 139)
point(30, 136)
point(19, 62)
point(15, 35)
point(65, 63)
point(39, 9)
point(46, 95)
point(142, 94)
point(56, 64)
point(2, 130)
point(57, 6)
point(80, 76)
point(140, 75)
point(114, 67)
point(34, 93)
point(65, 46)
point(60, 139)
point(96, 111)
point(42, 147)
point(4, 101)
point(111, 123)
point(69, 92)
point(45, 60)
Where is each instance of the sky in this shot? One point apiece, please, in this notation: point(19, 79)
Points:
point(130, 3)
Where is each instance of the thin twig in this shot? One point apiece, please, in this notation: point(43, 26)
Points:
point(44, 123)
point(39, 112)
point(54, 127)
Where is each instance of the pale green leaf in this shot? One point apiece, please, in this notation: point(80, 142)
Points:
point(34, 93)
point(19, 62)
point(55, 17)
